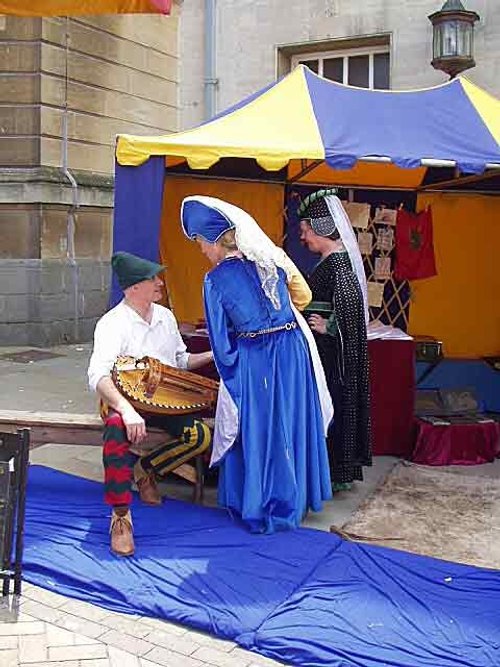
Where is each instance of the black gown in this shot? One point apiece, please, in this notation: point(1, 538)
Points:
point(344, 354)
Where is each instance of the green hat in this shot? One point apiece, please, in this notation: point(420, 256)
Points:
point(130, 269)
point(314, 196)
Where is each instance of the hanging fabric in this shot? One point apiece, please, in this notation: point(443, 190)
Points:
point(414, 245)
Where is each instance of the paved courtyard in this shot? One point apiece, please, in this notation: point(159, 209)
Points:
point(50, 630)
point(43, 629)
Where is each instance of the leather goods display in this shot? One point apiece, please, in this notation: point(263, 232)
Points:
point(155, 388)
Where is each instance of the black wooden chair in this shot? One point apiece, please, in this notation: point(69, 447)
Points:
point(14, 457)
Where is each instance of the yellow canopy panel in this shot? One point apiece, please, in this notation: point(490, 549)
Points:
point(487, 106)
point(305, 117)
point(270, 128)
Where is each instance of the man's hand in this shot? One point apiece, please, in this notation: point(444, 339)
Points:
point(135, 425)
point(199, 359)
point(317, 324)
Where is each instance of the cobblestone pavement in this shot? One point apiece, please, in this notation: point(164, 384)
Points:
point(43, 629)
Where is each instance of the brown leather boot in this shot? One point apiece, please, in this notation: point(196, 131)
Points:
point(148, 490)
point(122, 533)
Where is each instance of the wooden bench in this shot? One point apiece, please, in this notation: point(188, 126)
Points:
point(86, 429)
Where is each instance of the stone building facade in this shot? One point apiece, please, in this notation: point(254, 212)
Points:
point(254, 41)
point(67, 87)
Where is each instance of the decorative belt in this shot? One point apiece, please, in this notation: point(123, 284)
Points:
point(253, 334)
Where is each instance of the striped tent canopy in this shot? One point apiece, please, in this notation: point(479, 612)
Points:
point(305, 119)
point(83, 7)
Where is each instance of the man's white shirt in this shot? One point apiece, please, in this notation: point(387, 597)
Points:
point(122, 331)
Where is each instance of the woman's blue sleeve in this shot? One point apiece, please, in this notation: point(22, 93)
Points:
point(221, 332)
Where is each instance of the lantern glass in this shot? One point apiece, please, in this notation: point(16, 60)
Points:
point(453, 39)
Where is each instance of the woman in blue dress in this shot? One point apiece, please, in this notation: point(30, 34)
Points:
point(274, 407)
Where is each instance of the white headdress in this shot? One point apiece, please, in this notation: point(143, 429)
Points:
point(348, 238)
point(253, 243)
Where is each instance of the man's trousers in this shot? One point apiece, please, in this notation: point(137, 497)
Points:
point(186, 436)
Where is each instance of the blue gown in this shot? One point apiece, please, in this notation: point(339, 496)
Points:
point(277, 469)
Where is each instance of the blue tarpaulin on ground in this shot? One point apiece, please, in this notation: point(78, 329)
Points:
point(303, 597)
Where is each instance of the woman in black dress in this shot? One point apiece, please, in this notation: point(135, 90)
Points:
point(338, 319)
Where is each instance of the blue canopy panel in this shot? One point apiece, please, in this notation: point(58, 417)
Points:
point(439, 123)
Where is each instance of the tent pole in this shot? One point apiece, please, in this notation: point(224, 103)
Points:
point(424, 162)
point(242, 179)
point(464, 180)
point(456, 191)
point(350, 186)
point(305, 170)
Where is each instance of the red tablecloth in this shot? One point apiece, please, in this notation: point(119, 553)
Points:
point(392, 379)
point(392, 387)
point(456, 444)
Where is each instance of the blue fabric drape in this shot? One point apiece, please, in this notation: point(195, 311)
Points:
point(303, 597)
point(137, 213)
point(303, 258)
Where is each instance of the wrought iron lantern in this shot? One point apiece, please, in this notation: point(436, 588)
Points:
point(453, 38)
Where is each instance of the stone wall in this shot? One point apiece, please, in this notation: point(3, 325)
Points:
point(54, 257)
point(67, 88)
point(50, 302)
